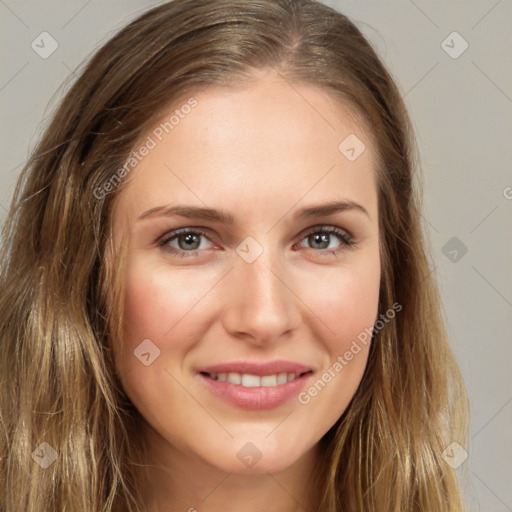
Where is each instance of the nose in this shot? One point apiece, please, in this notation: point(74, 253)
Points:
point(260, 305)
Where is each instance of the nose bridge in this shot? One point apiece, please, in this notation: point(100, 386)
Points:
point(260, 302)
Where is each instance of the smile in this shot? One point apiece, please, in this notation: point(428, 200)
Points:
point(248, 380)
point(255, 385)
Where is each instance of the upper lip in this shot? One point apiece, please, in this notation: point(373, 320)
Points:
point(257, 368)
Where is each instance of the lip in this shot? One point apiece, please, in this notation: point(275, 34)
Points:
point(257, 398)
point(255, 368)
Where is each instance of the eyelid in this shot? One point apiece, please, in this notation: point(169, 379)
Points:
point(326, 227)
point(347, 241)
point(174, 233)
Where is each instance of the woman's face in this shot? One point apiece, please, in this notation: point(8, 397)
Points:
point(244, 298)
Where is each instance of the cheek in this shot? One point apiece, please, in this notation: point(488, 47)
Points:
point(354, 307)
point(158, 307)
point(151, 309)
point(346, 304)
point(165, 307)
point(156, 302)
point(345, 301)
point(148, 303)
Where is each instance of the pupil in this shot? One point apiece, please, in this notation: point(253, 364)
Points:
point(190, 238)
point(322, 239)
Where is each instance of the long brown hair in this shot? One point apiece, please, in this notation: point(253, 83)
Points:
point(60, 299)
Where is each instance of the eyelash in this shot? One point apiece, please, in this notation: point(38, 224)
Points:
point(346, 240)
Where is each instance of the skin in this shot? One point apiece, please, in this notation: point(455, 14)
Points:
point(261, 153)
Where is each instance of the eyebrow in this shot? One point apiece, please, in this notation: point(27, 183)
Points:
point(211, 214)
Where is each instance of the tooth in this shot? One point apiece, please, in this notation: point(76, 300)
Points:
point(234, 378)
point(250, 381)
point(282, 378)
point(269, 380)
point(253, 381)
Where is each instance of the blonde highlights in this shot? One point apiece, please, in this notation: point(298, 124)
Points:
point(61, 279)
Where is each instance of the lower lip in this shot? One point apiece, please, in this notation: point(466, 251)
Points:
point(257, 398)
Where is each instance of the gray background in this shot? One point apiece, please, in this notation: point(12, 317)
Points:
point(462, 112)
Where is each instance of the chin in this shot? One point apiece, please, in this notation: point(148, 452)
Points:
point(256, 458)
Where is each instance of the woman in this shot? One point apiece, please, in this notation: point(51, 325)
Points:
point(173, 338)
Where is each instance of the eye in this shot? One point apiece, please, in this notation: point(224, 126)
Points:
point(188, 242)
point(320, 238)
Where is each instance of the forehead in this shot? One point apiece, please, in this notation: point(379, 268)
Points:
point(270, 142)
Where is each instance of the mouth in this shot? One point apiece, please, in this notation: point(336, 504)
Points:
point(248, 380)
point(250, 385)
